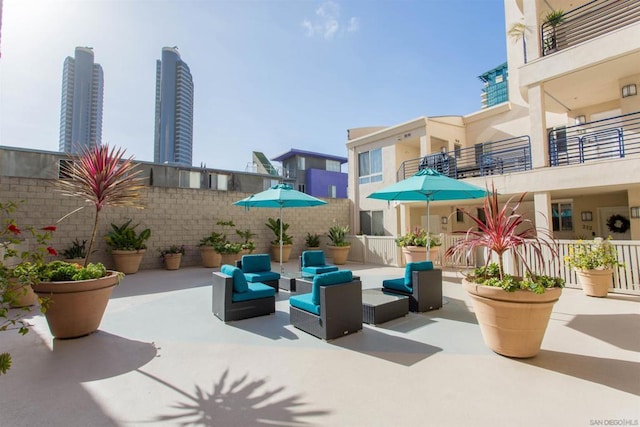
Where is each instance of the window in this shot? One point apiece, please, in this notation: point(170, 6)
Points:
point(459, 215)
point(333, 165)
point(562, 216)
point(268, 183)
point(189, 179)
point(332, 191)
point(301, 188)
point(370, 166)
point(371, 223)
point(301, 164)
point(64, 167)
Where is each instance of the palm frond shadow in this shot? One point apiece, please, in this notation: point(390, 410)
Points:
point(242, 402)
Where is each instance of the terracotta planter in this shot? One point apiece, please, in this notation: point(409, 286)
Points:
point(512, 323)
point(286, 252)
point(75, 261)
point(210, 258)
point(595, 283)
point(172, 261)
point(419, 253)
point(128, 262)
point(24, 294)
point(76, 308)
point(230, 258)
point(339, 254)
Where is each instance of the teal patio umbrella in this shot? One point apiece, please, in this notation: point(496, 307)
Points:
point(429, 185)
point(280, 196)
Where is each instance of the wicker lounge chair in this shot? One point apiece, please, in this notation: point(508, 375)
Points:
point(234, 299)
point(332, 309)
point(257, 269)
point(313, 262)
point(421, 283)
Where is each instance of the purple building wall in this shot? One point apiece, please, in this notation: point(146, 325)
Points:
point(318, 182)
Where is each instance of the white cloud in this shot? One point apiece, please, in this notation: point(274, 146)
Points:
point(327, 23)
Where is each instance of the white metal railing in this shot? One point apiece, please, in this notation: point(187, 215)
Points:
point(383, 250)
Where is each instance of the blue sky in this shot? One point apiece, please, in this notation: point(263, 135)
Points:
point(269, 75)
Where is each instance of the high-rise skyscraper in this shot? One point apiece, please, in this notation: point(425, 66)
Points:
point(81, 106)
point(173, 142)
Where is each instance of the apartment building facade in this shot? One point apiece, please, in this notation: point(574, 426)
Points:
point(568, 135)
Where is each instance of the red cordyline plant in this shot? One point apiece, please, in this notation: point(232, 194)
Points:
point(505, 229)
point(101, 177)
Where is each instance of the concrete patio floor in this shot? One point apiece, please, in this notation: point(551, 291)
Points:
point(162, 358)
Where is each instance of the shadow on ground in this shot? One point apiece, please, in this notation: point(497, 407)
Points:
point(239, 402)
point(614, 329)
point(388, 347)
point(622, 375)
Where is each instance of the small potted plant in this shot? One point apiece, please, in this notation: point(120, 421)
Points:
point(172, 256)
point(76, 253)
point(312, 241)
point(339, 246)
point(553, 19)
point(513, 312)
point(283, 240)
point(414, 245)
point(593, 263)
point(211, 258)
point(127, 246)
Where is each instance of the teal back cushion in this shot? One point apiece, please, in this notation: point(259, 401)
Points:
point(328, 279)
point(416, 266)
point(310, 258)
point(256, 263)
point(239, 282)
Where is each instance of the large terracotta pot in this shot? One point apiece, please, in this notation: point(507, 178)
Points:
point(595, 283)
point(230, 258)
point(76, 308)
point(339, 254)
point(172, 261)
point(512, 323)
point(210, 258)
point(419, 253)
point(286, 252)
point(24, 295)
point(128, 262)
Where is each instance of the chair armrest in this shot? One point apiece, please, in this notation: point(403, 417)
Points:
point(343, 300)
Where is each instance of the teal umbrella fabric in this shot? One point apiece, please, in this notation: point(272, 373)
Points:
point(429, 185)
point(280, 196)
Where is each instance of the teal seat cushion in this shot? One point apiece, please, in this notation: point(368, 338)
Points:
point(396, 285)
point(262, 276)
point(256, 263)
point(255, 291)
point(239, 282)
point(319, 269)
point(310, 258)
point(328, 279)
point(303, 302)
point(415, 266)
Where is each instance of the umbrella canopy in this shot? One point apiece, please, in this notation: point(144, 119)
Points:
point(280, 196)
point(429, 185)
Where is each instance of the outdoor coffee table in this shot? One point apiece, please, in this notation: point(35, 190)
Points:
point(379, 307)
point(289, 281)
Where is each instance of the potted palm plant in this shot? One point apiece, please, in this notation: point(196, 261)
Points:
point(414, 245)
point(281, 236)
point(312, 241)
point(513, 312)
point(172, 256)
point(553, 19)
point(127, 246)
point(101, 177)
point(76, 253)
point(593, 263)
point(339, 246)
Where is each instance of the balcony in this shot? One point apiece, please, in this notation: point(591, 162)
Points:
point(616, 137)
point(587, 22)
point(488, 158)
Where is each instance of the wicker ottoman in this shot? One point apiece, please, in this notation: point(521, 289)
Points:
point(379, 307)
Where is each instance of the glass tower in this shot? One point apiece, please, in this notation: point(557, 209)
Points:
point(496, 88)
point(82, 98)
point(173, 141)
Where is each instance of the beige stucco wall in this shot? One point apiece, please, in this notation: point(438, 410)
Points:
point(175, 216)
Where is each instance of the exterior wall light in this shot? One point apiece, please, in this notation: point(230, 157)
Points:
point(635, 212)
point(580, 120)
point(586, 216)
point(444, 220)
point(629, 90)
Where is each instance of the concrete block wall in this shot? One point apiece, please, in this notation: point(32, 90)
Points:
point(180, 216)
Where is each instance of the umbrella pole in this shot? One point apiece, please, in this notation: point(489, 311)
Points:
point(428, 232)
point(281, 268)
